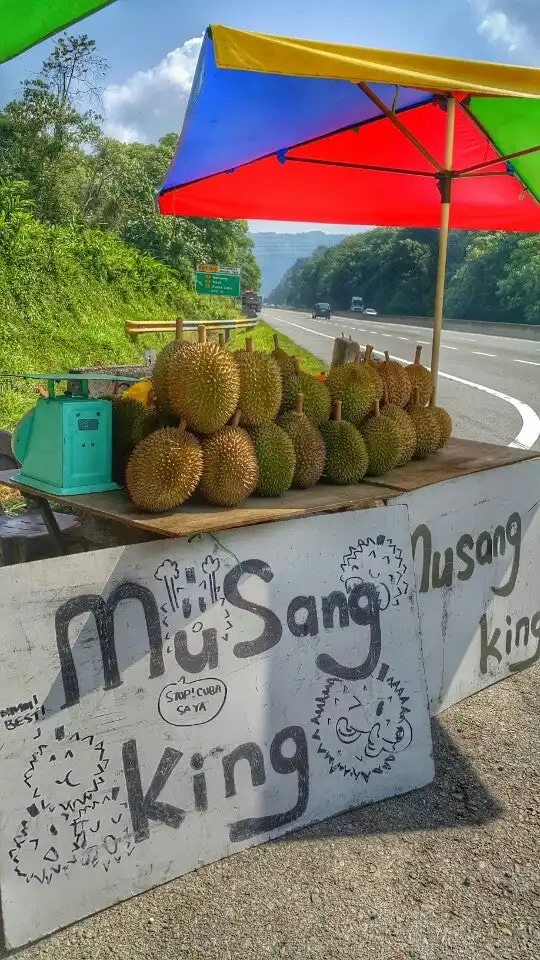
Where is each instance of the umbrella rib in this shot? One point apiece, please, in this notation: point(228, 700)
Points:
point(465, 175)
point(399, 126)
point(502, 159)
point(361, 166)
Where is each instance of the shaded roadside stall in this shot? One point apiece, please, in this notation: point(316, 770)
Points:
point(255, 669)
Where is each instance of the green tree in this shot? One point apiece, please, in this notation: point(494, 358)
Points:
point(51, 139)
point(45, 139)
point(473, 289)
point(519, 285)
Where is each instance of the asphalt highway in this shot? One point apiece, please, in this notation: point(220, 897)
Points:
point(489, 383)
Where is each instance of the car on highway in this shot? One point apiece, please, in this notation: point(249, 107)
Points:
point(321, 310)
point(370, 311)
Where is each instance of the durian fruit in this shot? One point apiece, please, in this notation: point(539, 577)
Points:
point(426, 424)
point(420, 378)
point(384, 443)
point(308, 445)
point(230, 468)
point(346, 452)
point(397, 381)
point(275, 454)
point(204, 385)
point(260, 386)
point(150, 420)
point(316, 403)
point(445, 423)
point(164, 469)
point(358, 386)
point(160, 375)
point(125, 413)
point(289, 376)
point(405, 424)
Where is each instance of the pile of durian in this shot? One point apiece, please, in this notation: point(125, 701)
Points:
point(223, 426)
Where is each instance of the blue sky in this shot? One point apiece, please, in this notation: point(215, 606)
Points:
point(152, 45)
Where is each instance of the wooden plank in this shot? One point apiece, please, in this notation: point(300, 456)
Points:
point(194, 518)
point(459, 458)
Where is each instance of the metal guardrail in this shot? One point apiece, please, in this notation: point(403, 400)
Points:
point(134, 328)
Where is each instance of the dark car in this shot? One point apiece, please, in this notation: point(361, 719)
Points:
point(321, 310)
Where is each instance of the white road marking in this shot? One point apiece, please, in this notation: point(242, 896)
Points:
point(444, 346)
point(404, 338)
point(532, 363)
point(480, 354)
point(530, 431)
point(307, 329)
point(458, 333)
point(386, 334)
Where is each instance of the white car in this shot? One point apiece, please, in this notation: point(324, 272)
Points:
point(370, 311)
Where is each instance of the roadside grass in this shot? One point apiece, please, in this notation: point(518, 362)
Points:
point(263, 339)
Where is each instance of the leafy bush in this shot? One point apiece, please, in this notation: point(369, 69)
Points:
point(65, 293)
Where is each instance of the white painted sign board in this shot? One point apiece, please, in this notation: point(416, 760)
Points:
point(476, 542)
point(167, 704)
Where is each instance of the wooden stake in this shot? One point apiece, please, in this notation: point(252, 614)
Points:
point(179, 329)
point(249, 344)
point(299, 405)
point(418, 354)
point(201, 334)
point(446, 184)
point(337, 411)
point(236, 418)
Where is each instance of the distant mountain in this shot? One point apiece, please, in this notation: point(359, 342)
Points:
point(276, 252)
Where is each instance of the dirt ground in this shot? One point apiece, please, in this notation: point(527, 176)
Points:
point(450, 872)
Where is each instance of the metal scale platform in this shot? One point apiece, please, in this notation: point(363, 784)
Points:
point(64, 445)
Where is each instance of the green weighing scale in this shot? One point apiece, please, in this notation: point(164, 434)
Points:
point(64, 445)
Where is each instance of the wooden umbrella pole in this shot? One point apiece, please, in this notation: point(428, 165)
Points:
point(446, 185)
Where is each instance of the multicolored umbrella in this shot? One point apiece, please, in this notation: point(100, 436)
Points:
point(286, 129)
point(23, 23)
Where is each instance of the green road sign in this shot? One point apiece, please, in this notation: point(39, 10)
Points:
point(218, 281)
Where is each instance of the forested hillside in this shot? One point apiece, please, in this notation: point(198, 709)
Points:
point(81, 246)
point(490, 276)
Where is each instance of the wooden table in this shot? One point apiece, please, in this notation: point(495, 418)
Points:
point(458, 458)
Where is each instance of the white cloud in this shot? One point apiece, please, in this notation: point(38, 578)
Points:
point(152, 102)
point(499, 28)
point(514, 24)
